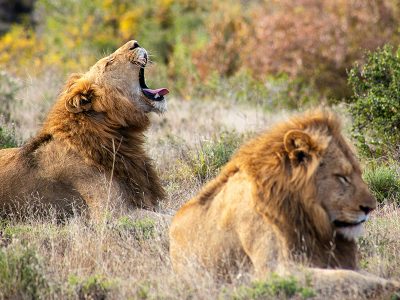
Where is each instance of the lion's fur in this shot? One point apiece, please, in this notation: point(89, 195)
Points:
point(90, 148)
point(263, 209)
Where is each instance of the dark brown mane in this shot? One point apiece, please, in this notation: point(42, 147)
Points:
point(112, 139)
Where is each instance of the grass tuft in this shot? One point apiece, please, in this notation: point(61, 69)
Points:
point(93, 287)
point(21, 274)
point(276, 286)
point(7, 137)
point(142, 229)
point(207, 161)
point(384, 182)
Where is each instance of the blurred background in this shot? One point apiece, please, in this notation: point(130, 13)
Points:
point(233, 69)
point(287, 54)
point(309, 43)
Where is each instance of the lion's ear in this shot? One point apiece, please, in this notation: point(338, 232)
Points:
point(79, 96)
point(298, 145)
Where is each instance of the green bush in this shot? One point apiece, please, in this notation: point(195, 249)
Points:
point(207, 161)
point(384, 182)
point(92, 287)
point(9, 86)
point(142, 229)
point(7, 137)
point(21, 274)
point(375, 105)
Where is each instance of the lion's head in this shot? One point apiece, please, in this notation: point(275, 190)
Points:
point(120, 74)
point(309, 174)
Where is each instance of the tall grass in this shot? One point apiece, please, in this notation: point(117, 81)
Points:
point(211, 155)
point(384, 182)
point(128, 257)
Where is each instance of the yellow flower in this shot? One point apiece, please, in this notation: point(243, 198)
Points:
point(129, 22)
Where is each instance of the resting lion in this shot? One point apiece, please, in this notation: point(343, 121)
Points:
point(290, 199)
point(90, 149)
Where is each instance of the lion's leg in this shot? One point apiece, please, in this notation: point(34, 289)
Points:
point(346, 284)
point(263, 246)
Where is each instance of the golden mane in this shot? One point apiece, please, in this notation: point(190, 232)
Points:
point(281, 166)
point(286, 195)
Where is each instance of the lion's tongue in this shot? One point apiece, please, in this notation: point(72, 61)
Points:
point(155, 93)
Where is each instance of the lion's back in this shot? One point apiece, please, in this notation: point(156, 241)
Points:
point(209, 231)
point(29, 185)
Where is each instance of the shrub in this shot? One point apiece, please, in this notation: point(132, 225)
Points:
point(228, 26)
point(9, 86)
point(384, 182)
point(375, 105)
point(7, 138)
point(71, 35)
point(94, 287)
point(309, 39)
point(207, 161)
point(21, 274)
point(141, 229)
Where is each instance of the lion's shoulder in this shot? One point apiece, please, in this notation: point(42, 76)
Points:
point(31, 146)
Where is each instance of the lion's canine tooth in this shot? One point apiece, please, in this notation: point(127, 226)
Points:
point(156, 96)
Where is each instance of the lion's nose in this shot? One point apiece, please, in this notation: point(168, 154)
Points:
point(366, 209)
point(134, 46)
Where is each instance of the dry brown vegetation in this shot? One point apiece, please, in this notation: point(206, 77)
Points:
point(264, 56)
point(127, 258)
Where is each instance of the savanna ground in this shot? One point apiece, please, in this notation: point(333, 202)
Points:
point(227, 84)
point(128, 257)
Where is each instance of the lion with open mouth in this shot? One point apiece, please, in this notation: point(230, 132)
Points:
point(90, 151)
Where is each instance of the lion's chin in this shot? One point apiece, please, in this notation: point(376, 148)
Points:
point(351, 232)
point(160, 106)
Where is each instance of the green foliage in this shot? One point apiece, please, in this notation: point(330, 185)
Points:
point(194, 41)
point(207, 161)
point(395, 296)
point(7, 138)
point(92, 287)
point(71, 35)
point(143, 291)
point(276, 286)
point(9, 86)
point(375, 105)
point(9, 231)
point(384, 182)
point(21, 274)
point(142, 229)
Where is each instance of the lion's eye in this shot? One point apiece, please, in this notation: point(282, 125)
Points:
point(343, 179)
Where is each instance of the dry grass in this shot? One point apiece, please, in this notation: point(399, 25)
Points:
point(128, 258)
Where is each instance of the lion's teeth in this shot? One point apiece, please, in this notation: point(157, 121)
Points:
point(156, 96)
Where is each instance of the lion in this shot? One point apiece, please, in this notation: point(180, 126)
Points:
point(289, 201)
point(91, 146)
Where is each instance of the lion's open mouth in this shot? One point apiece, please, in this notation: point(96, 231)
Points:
point(342, 224)
point(154, 95)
